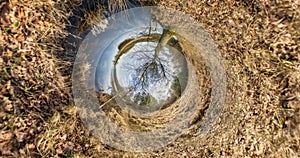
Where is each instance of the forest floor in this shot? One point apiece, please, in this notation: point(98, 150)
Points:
point(260, 45)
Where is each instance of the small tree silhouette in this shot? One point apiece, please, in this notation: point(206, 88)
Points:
point(149, 69)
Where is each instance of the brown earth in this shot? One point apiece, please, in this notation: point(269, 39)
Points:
point(259, 43)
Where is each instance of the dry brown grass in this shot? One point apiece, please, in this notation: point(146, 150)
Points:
point(258, 40)
point(260, 45)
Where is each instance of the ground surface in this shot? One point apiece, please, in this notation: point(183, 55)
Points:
point(260, 45)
